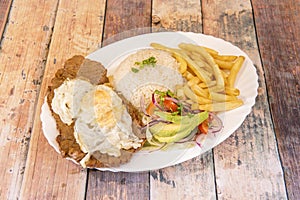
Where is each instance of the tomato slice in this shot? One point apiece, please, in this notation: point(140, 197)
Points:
point(203, 127)
point(170, 105)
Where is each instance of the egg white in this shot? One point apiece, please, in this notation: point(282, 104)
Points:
point(103, 123)
point(67, 98)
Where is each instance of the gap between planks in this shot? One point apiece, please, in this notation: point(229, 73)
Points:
point(5, 6)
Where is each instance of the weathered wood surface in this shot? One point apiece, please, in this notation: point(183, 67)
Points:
point(78, 30)
point(278, 32)
point(40, 35)
point(123, 19)
point(118, 185)
point(177, 15)
point(4, 11)
point(22, 56)
point(193, 179)
point(250, 154)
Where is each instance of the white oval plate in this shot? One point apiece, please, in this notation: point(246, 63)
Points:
point(110, 56)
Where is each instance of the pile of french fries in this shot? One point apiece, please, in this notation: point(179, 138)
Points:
point(210, 77)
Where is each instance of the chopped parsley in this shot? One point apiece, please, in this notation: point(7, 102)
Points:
point(151, 61)
point(168, 93)
point(134, 70)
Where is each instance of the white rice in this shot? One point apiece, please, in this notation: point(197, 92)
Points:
point(164, 75)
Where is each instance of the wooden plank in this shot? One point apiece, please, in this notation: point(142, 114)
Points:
point(176, 15)
point(78, 30)
point(123, 19)
point(193, 179)
point(118, 185)
point(278, 28)
point(247, 164)
point(4, 11)
point(22, 55)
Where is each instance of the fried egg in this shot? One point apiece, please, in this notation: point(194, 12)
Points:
point(67, 98)
point(102, 123)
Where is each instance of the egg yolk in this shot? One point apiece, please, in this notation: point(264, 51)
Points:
point(104, 109)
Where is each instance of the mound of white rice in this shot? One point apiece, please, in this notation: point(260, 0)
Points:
point(162, 76)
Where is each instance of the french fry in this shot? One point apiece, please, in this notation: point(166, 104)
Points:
point(196, 56)
point(211, 51)
point(224, 57)
point(190, 94)
point(194, 67)
point(200, 61)
point(221, 106)
point(193, 81)
point(234, 70)
point(203, 100)
point(232, 91)
point(206, 67)
point(209, 59)
point(224, 74)
point(207, 73)
point(189, 75)
point(222, 97)
point(224, 64)
point(210, 77)
point(195, 98)
point(200, 91)
point(216, 88)
point(183, 64)
point(200, 72)
point(208, 85)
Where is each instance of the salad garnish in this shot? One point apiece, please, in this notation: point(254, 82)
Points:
point(151, 61)
point(170, 120)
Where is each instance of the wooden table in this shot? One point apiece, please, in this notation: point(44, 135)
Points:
point(260, 160)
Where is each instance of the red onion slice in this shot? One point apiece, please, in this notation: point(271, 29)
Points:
point(156, 103)
point(200, 139)
point(155, 121)
point(216, 124)
point(172, 99)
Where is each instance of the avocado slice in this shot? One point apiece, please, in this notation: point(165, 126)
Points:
point(179, 128)
point(165, 130)
point(171, 117)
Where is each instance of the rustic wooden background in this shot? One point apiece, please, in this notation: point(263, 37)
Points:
point(261, 160)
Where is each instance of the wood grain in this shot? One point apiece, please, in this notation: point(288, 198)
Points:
point(193, 179)
point(176, 15)
point(248, 159)
point(78, 30)
point(118, 185)
point(278, 31)
point(22, 55)
point(123, 19)
point(4, 11)
point(38, 36)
